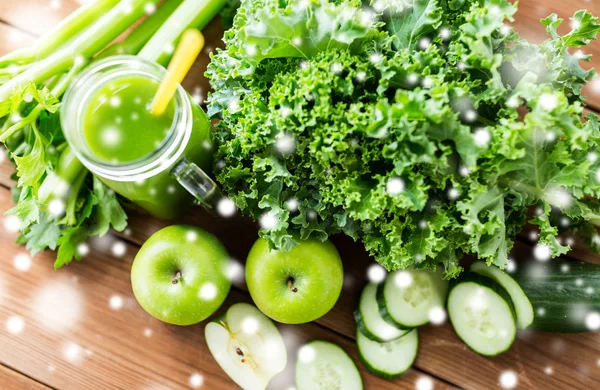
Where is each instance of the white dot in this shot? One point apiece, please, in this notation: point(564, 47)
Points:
point(437, 315)
point(12, 223)
point(15, 325)
point(226, 207)
point(285, 143)
point(22, 262)
point(361, 76)
point(376, 273)
point(453, 193)
point(592, 321)
point(589, 290)
point(111, 136)
point(375, 58)
point(297, 41)
point(72, 352)
point(147, 332)
point(445, 33)
point(251, 50)
point(191, 235)
point(115, 101)
point(51, 368)
point(307, 354)
point(579, 282)
point(115, 302)
point(269, 221)
point(548, 370)
point(336, 68)
point(250, 325)
point(119, 249)
point(58, 306)
point(83, 249)
point(427, 82)
point(208, 291)
point(548, 101)
point(541, 311)
point(413, 79)
point(55, 4)
point(424, 43)
point(542, 252)
point(508, 380)
point(424, 383)
point(470, 115)
point(395, 186)
point(513, 102)
point(482, 137)
point(292, 205)
point(196, 380)
point(464, 171)
point(234, 271)
point(149, 8)
point(403, 279)
point(56, 207)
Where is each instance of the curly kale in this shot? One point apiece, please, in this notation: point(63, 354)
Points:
point(425, 129)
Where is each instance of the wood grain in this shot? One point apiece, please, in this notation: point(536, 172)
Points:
point(12, 380)
point(121, 356)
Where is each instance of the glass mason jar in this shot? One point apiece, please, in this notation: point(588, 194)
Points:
point(166, 181)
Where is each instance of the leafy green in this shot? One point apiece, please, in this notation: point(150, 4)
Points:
point(427, 133)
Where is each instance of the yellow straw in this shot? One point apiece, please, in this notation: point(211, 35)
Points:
point(186, 53)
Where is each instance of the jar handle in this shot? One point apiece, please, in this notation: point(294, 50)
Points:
point(197, 182)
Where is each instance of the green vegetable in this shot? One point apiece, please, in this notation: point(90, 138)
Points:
point(564, 294)
point(404, 130)
point(482, 314)
point(58, 203)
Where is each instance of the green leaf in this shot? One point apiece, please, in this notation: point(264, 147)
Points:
point(42, 235)
point(408, 25)
point(67, 246)
point(107, 211)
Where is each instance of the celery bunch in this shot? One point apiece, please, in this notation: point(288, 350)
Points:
point(59, 205)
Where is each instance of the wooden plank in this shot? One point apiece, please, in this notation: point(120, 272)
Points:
point(61, 330)
point(12, 380)
point(441, 351)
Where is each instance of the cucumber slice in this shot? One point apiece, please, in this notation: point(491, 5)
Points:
point(388, 360)
point(323, 365)
point(406, 297)
point(482, 315)
point(369, 321)
point(523, 306)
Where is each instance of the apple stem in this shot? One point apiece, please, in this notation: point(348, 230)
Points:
point(177, 278)
point(290, 284)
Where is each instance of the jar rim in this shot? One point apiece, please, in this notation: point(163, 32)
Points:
point(98, 75)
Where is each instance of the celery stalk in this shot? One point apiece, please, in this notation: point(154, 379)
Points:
point(64, 32)
point(191, 13)
point(87, 44)
point(134, 42)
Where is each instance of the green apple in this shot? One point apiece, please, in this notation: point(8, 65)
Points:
point(297, 286)
point(247, 346)
point(179, 275)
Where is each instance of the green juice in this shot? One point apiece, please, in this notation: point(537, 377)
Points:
point(118, 128)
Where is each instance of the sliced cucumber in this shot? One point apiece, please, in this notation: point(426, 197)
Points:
point(482, 315)
point(406, 297)
point(323, 365)
point(523, 306)
point(388, 360)
point(369, 321)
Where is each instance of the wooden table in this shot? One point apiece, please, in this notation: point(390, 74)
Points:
point(81, 328)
